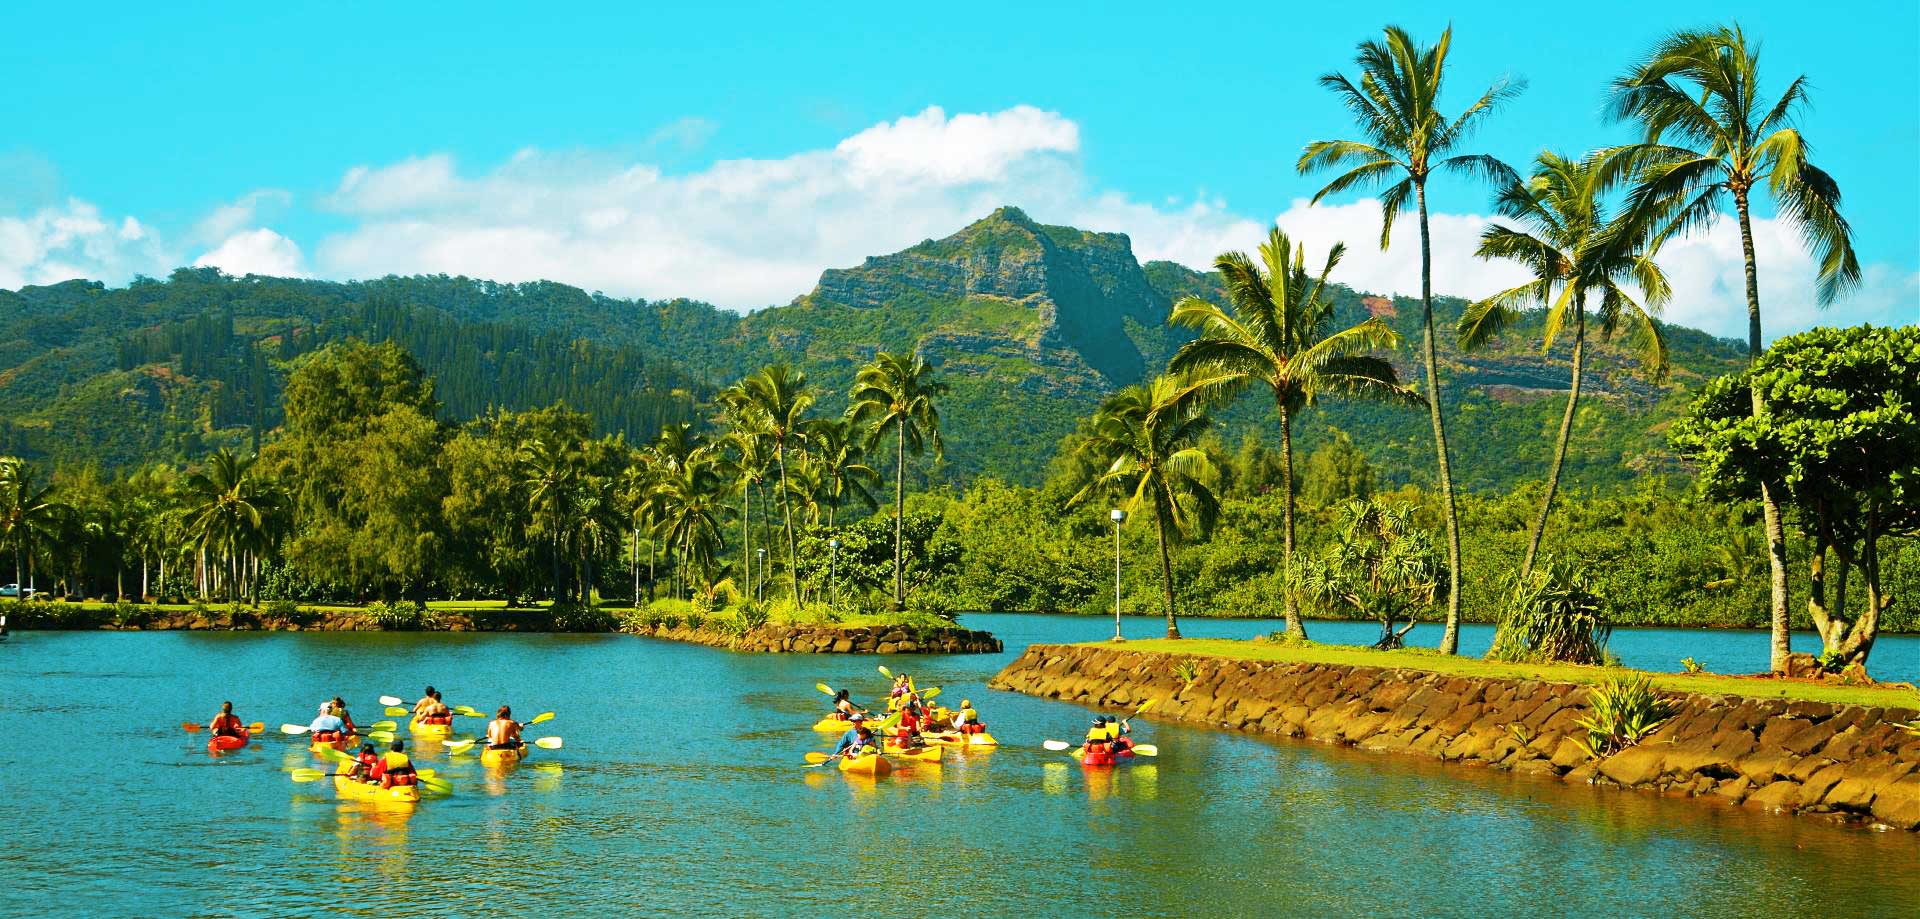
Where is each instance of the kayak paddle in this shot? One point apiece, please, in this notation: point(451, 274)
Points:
point(380, 726)
point(1146, 749)
point(308, 775)
point(541, 718)
point(396, 712)
point(1057, 745)
point(293, 730)
point(380, 736)
point(548, 743)
point(391, 700)
point(885, 672)
point(457, 747)
point(191, 728)
point(816, 759)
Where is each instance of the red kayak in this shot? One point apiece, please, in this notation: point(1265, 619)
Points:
point(226, 743)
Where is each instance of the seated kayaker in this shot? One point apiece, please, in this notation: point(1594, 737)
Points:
point(897, 696)
point(857, 739)
point(430, 710)
point(503, 733)
point(340, 708)
point(227, 724)
point(843, 706)
point(327, 728)
point(361, 769)
point(395, 767)
point(966, 720)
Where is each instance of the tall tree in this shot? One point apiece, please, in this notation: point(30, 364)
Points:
point(29, 513)
point(1145, 440)
point(1709, 140)
point(231, 509)
point(1280, 336)
point(1573, 249)
point(844, 473)
point(689, 516)
point(1396, 107)
point(895, 394)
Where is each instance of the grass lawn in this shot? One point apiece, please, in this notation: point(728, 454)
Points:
point(1424, 659)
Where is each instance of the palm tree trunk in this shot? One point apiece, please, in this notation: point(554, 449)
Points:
point(899, 519)
point(144, 593)
point(1295, 628)
point(652, 575)
point(633, 559)
point(1782, 642)
point(746, 533)
point(1450, 639)
point(786, 511)
point(1166, 572)
point(1560, 445)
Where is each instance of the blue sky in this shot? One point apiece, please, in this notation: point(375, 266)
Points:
point(731, 153)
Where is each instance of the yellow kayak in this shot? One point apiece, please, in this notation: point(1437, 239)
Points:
point(344, 743)
point(837, 724)
point(492, 757)
point(872, 764)
point(371, 791)
point(429, 730)
point(982, 739)
point(922, 755)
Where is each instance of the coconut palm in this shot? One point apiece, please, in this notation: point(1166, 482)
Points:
point(29, 513)
point(553, 471)
point(743, 458)
point(1145, 440)
point(1279, 336)
point(780, 393)
point(230, 513)
point(895, 394)
point(844, 473)
point(1709, 141)
point(1396, 105)
point(1574, 250)
point(689, 501)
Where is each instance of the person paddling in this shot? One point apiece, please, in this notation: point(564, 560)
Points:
point(503, 733)
point(361, 769)
point(394, 768)
point(227, 724)
point(966, 720)
point(857, 739)
point(843, 706)
point(429, 710)
point(340, 709)
point(327, 728)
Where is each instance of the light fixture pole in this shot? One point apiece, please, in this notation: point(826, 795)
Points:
point(1118, 517)
point(833, 571)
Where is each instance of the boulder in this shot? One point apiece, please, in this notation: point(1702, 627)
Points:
point(1776, 797)
point(1634, 766)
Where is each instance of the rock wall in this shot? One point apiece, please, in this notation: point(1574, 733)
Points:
point(1848, 763)
point(823, 639)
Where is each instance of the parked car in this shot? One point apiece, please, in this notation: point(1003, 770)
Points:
point(14, 590)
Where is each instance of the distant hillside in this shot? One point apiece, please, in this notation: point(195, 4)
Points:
point(1031, 325)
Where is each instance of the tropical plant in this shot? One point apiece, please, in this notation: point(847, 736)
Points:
point(1573, 250)
point(1186, 671)
point(689, 517)
point(1145, 441)
point(895, 394)
point(1379, 564)
point(1396, 107)
point(29, 514)
point(1690, 665)
point(1709, 140)
point(843, 472)
point(554, 470)
point(1279, 336)
point(1621, 712)
point(779, 394)
point(1553, 614)
point(231, 513)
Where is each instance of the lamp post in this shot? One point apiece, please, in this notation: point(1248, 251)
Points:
point(762, 592)
point(1118, 517)
point(833, 566)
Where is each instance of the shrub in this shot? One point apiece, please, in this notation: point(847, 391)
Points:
point(1692, 666)
point(127, 614)
point(752, 615)
point(1620, 712)
point(1554, 615)
point(577, 617)
point(1187, 671)
point(403, 616)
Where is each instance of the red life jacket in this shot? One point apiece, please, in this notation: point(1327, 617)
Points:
point(227, 724)
point(327, 736)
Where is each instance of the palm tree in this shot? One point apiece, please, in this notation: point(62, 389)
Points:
point(844, 473)
point(781, 395)
point(895, 393)
point(689, 520)
point(1573, 250)
point(552, 471)
point(230, 514)
point(29, 512)
point(1145, 440)
point(743, 459)
point(1278, 336)
point(637, 484)
point(1708, 141)
point(1396, 105)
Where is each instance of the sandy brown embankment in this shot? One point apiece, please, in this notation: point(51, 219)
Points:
point(1842, 762)
point(829, 639)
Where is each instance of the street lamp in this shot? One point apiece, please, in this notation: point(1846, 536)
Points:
point(762, 593)
point(833, 565)
point(1118, 517)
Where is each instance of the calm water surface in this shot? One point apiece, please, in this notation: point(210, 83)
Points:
point(681, 788)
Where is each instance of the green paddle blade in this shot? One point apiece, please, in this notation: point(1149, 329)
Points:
point(1146, 749)
point(396, 712)
point(307, 775)
point(380, 736)
point(824, 688)
point(817, 757)
point(381, 726)
point(336, 755)
point(1145, 705)
point(458, 747)
point(885, 672)
point(541, 718)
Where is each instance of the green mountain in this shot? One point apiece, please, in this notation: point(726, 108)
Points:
point(1030, 324)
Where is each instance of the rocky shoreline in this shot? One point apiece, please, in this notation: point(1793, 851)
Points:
point(826, 639)
point(1847, 763)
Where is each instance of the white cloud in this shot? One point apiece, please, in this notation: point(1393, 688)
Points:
point(227, 219)
point(75, 240)
point(256, 251)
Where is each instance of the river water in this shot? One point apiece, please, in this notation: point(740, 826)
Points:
point(681, 788)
